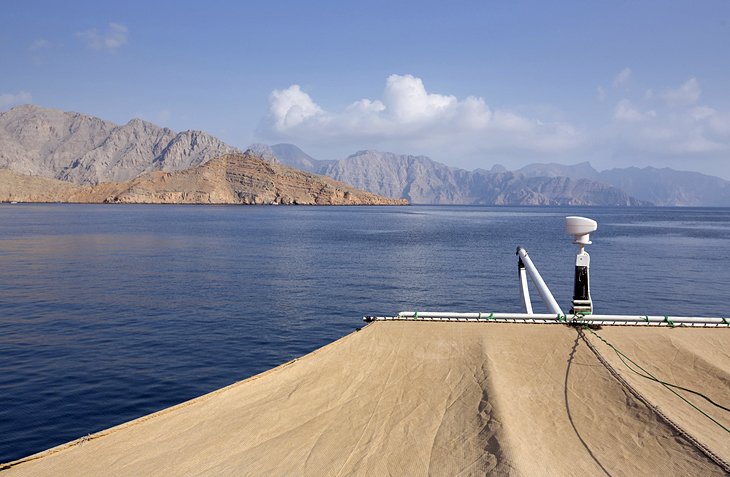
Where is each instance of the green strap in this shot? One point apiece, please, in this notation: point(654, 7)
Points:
point(491, 316)
point(724, 320)
point(646, 318)
point(668, 321)
point(646, 374)
point(415, 316)
point(561, 318)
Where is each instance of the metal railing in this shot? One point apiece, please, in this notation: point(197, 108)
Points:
point(545, 318)
point(581, 312)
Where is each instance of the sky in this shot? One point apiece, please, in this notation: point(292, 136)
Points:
point(468, 83)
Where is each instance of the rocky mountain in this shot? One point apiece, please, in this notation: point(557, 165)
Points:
point(424, 181)
point(665, 186)
point(582, 170)
point(229, 179)
point(291, 155)
point(86, 150)
point(669, 187)
point(265, 152)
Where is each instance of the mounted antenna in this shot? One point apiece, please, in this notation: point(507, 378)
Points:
point(581, 228)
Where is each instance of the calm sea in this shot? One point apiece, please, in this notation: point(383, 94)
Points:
point(108, 313)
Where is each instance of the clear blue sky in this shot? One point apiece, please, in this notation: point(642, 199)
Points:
point(470, 84)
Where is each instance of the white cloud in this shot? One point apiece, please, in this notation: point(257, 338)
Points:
point(291, 107)
point(408, 117)
point(9, 99)
point(676, 126)
point(662, 127)
point(626, 111)
point(688, 93)
point(409, 101)
point(112, 38)
point(622, 77)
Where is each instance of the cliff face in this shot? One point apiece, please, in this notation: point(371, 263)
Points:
point(229, 179)
point(88, 150)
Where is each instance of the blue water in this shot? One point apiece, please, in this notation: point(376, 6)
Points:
point(108, 313)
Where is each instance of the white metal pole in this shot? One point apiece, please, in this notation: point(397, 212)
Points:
point(542, 288)
point(524, 290)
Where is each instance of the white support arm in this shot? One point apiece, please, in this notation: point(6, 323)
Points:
point(542, 288)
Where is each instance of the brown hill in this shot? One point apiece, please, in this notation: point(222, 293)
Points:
point(23, 188)
point(229, 179)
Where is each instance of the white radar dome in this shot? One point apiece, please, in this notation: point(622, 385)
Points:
point(580, 228)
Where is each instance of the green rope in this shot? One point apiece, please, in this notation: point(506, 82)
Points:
point(646, 374)
point(491, 316)
point(725, 321)
point(646, 318)
point(415, 315)
point(560, 318)
point(668, 321)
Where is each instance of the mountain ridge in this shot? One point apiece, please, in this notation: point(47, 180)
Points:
point(87, 150)
point(422, 180)
point(641, 186)
point(662, 186)
point(229, 179)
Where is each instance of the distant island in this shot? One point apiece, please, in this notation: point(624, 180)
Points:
point(48, 155)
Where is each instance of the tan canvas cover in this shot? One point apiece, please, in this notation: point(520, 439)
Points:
point(417, 398)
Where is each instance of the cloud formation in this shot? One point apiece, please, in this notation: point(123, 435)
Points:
point(675, 126)
point(111, 39)
point(688, 93)
point(622, 77)
point(665, 125)
point(409, 116)
point(626, 111)
point(10, 99)
point(291, 107)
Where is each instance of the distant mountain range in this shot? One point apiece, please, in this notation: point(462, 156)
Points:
point(84, 150)
point(664, 187)
point(422, 180)
point(54, 156)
